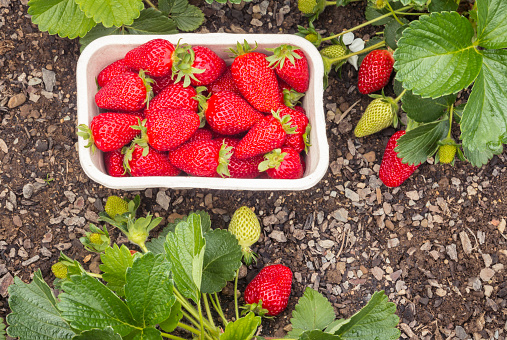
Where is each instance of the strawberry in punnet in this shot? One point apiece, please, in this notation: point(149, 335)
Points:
point(113, 160)
point(245, 226)
point(375, 71)
point(224, 83)
point(291, 66)
point(268, 134)
point(298, 121)
point(284, 163)
point(111, 71)
point(109, 131)
point(203, 158)
point(299, 142)
point(381, 113)
point(201, 134)
point(256, 81)
point(197, 66)
point(290, 96)
point(174, 96)
point(148, 162)
point(241, 168)
point(161, 83)
point(166, 129)
point(155, 57)
point(268, 293)
point(126, 92)
point(392, 171)
point(229, 114)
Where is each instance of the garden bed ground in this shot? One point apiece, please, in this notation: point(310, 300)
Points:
point(437, 245)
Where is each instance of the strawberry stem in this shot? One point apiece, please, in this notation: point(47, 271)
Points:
point(151, 4)
point(236, 294)
point(397, 99)
point(368, 49)
point(218, 309)
point(451, 113)
point(394, 14)
point(208, 311)
point(170, 336)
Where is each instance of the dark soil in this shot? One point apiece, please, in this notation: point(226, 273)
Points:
point(412, 241)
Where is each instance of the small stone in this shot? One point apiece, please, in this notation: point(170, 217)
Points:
point(163, 200)
point(16, 100)
point(17, 221)
point(352, 195)
point(486, 274)
point(278, 235)
point(326, 244)
point(49, 79)
point(441, 292)
point(413, 195)
point(488, 290)
point(269, 220)
point(370, 156)
point(243, 270)
point(392, 243)
point(475, 283)
point(377, 273)
point(63, 246)
point(452, 252)
point(341, 215)
point(48, 237)
point(460, 332)
point(465, 242)
point(30, 261)
point(70, 196)
point(45, 252)
point(488, 261)
point(5, 282)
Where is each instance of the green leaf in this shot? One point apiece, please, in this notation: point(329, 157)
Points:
point(147, 334)
point(152, 21)
point(34, 314)
point(115, 262)
point(480, 157)
point(376, 321)
point(391, 32)
point(336, 325)
point(492, 23)
point(172, 6)
point(373, 13)
point(313, 311)
point(422, 142)
point(318, 335)
point(190, 19)
point(88, 304)
point(442, 5)
point(99, 31)
point(222, 258)
point(149, 289)
point(170, 324)
point(62, 17)
point(436, 56)
point(185, 250)
point(103, 334)
point(111, 12)
point(242, 329)
point(2, 329)
point(484, 121)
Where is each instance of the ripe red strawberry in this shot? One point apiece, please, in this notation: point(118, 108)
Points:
point(126, 92)
point(290, 96)
point(161, 83)
point(113, 161)
point(148, 162)
point(109, 131)
point(299, 142)
point(199, 158)
point(242, 168)
point(166, 129)
point(392, 171)
point(155, 57)
point(268, 134)
point(174, 96)
point(224, 83)
point(291, 65)
point(284, 163)
point(375, 71)
point(201, 134)
point(229, 114)
point(256, 81)
point(299, 121)
point(111, 71)
point(272, 287)
point(197, 66)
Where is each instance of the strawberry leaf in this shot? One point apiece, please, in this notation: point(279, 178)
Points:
point(100, 31)
point(313, 311)
point(190, 19)
point(373, 13)
point(35, 314)
point(149, 280)
point(152, 21)
point(442, 5)
point(148, 333)
point(484, 121)
point(318, 335)
point(115, 262)
point(436, 55)
point(2, 329)
point(170, 324)
point(418, 144)
point(172, 6)
point(103, 334)
point(62, 17)
point(242, 329)
point(492, 23)
point(391, 32)
point(111, 12)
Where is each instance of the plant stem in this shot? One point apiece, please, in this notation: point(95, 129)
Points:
point(397, 99)
point(401, 11)
point(208, 311)
point(368, 49)
point(236, 294)
point(190, 318)
point(188, 328)
point(151, 4)
point(219, 310)
point(170, 336)
point(98, 276)
point(394, 14)
point(143, 248)
point(201, 320)
point(451, 113)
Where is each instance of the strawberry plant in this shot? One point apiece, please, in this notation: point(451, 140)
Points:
point(171, 290)
point(91, 19)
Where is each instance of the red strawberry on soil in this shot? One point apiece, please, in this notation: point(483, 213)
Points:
point(197, 66)
point(284, 163)
point(268, 134)
point(392, 171)
point(113, 161)
point(375, 71)
point(174, 96)
point(155, 57)
point(229, 114)
point(224, 83)
point(256, 81)
point(110, 131)
point(272, 287)
point(291, 65)
point(242, 168)
point(127, 92)
point(200, 157)
point(166, 129)
point(148, 162)
point(111, 71)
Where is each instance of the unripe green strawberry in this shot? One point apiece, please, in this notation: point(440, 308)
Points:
point(115, 206)
point(311, 37)
point(95, 238)
point(59, 270)
point(446, 153)
point(334, 51)
point(307, 6)
point(379, 4)
point(380, 114)
point(247, 229)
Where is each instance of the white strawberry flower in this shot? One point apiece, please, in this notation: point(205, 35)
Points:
point(348, 38)
point(356, 46)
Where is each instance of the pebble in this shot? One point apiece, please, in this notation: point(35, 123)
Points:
point(70, 196)
point(163, 200)
point(269, 220)
point(392, 243)
point(465, 242)
point(460, 332)
point(341, 215)
point(352, 195)
point(488, 290)
point(476, 284)
point(487, 260)
point(278, 235)
point(3, 146)
point(486, 274)
point(452, 252)
point(49, 79)
point(30, 261)
point(5, 282)
point(413, 195)
point(16, 100)
point(377, 273)
point(326, 244)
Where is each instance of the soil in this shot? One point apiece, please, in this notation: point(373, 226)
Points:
point(437, 245)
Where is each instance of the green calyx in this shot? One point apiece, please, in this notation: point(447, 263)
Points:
point(291, 97)
point(257, 309)
point(202, 101)
point(281, 54)
point(85, 132)
point(97, 240)
point(224, 156)
point(272, 160)
point(310, 34)
point(184, 57)
point(306, 137)
point(242, 48)
point(147, 84)
point(285, 121)
point(142, 141)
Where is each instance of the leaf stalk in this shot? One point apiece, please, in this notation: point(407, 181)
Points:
point(236, 309)
point(151, 4)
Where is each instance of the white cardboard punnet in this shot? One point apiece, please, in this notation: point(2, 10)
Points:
point(106, 50)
